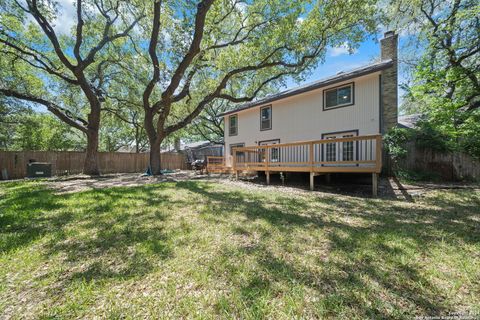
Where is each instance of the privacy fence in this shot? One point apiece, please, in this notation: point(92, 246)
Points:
point(71, 162)
point(449, 166)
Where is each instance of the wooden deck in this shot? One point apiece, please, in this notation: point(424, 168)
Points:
point(360, 154)
point(218, 165)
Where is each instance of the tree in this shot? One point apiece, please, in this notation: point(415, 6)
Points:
point(208, 125)
point(446, 78)
point(123, 106)
point(9, 119)
point(123, 129)
point(231, 49)
point(24, 129)
point(42, 65)
point(44, 132)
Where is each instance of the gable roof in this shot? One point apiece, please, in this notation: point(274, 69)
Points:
point(339, 77)
point(409, 121)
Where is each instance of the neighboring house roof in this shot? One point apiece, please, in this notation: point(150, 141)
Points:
point(339, 77)
point(199, 145)
point(409, 121)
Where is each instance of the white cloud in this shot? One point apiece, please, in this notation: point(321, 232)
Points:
point(340, 50)
point(66, 18)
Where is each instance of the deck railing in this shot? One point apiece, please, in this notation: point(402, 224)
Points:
point(351, 154)
point(215, 164)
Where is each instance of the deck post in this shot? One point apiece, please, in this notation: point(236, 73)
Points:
point(235, 163)
point(374, 184)
point(312, 180)
point(378, 155)
point(267, 173)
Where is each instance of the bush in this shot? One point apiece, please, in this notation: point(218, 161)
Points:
point(428, 137)
point(395, 142)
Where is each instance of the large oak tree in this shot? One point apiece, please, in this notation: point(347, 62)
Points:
point(42, 66)
point(445, 85)
point(202, 51)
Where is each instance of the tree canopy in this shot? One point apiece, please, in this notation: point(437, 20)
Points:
point(63, 71)
point(165, 60)
point(446, 73)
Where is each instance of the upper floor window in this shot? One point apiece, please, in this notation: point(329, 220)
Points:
point(341, 96)
point(266, 118)
point(233, 125)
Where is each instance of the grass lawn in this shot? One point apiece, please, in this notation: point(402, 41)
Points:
point(216, 250)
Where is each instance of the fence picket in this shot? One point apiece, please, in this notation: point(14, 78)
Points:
point(71, 162)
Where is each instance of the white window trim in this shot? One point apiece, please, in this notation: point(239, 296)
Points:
point(230, 125)
point(339, 152)
point(270, 120)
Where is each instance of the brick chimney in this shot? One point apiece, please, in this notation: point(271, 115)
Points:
point(389, 82)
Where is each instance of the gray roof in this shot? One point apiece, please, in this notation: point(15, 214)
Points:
point(199, 144)
point(339, 77)
point(409, 121)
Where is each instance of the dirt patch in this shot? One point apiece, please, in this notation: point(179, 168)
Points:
point(81, 183)
point(388, 188)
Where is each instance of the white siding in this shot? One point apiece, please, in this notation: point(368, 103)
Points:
point(302, 117)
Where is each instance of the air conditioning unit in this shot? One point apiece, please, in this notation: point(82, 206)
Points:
point(39, 170)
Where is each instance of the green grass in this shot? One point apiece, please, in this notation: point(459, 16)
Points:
point(210, 250)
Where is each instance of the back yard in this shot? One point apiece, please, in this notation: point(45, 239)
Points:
point(217, 249)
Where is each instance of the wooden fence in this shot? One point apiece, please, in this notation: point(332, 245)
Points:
point(449, 166)
point(71, 162)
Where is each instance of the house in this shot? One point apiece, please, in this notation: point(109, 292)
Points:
point(200, 150)
point(331, 125)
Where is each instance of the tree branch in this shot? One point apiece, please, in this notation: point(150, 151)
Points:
point(43, 65)
point(152, 51)
point(202, 9)
point(58, 111)
point(106, 39)
point(80, 23)
point(49, 32)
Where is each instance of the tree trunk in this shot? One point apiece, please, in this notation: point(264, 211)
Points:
point(90, 166)
point(155, 162)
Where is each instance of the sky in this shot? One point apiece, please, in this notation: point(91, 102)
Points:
point(339, 59)
point(336, 60)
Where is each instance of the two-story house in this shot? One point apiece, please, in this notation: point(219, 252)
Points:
point(331, 125)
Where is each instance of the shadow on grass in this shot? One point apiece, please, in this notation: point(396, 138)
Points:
point(22, 215)
point(99, 234)
point(344, 281)
point(120, 233)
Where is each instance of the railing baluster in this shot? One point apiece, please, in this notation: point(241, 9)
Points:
point(371, 149)
point(308, 156)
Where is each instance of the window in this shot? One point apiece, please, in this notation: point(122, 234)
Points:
point(274, 152)
point(347, 152)
point(331, 153)
point(340, 151)
point(338, 97)
point(266, 118)
point(233, 125)
point(236, 145)
point(275, 155)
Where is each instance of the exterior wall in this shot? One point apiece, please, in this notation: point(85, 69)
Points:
point(302, 117)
